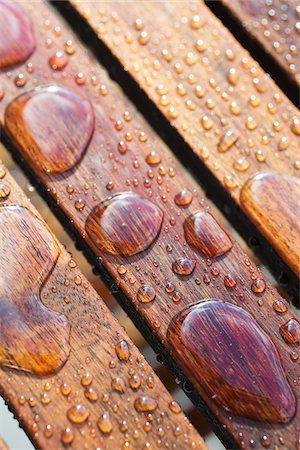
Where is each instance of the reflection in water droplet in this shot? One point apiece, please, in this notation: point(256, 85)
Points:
point(184, 266)
point(16, 36)
point(70, 124)
point(67, 436)
point(125, 224)
point(203, 232)
point(279, 306)
point(4, 191)
point(290, 331)
point(58, 61)
point(258, 286)
point(146, 294)
point(232, 361)
point(145, 404)
point(271, 200)
point(24, 320)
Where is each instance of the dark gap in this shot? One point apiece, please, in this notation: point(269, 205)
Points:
point(285, 81)
point(168, 134)
point(162, 355)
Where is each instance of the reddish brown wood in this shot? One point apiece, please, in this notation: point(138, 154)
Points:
point(125, 155)
point(216, 96)
point(60, 347)
point(275, 25)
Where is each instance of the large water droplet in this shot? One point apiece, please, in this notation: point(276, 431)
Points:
point(32, 338)
point(232, 361)
point(290, 331)
point(271, 200)
point(52, 127)
point(184, 266)
point(203, 232)
point(16, 37)
point(124, 224)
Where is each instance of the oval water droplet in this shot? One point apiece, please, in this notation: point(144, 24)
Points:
point(184, 266)
point(70, 123)
point(125, 224)
point(122, 350)
point(24, 320)
point(16, 37)
point(290, 331)
point(145, 404)
point(104, 423)
point(271, 200)
point(183, 198)
point(232, 361)
point(78, 413)
point(227, 141)
point(204, 233)
point(146, 294)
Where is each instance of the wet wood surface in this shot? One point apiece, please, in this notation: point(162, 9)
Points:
point(152, 229)
point(230, 113)
point(275, 26)
point(69, 372)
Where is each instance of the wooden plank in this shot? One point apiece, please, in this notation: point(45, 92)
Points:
point(60, 347)
point(275, 26)
point(158, 238)
point(215, 95)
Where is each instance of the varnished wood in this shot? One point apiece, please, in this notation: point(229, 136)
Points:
point(125, 155)
point(275, 26)
point(98, 357)
point(214, 94)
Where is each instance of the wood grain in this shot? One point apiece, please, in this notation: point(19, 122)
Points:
point(125, 156)
point(275, 26)
point(62, 315)
point(213, 93)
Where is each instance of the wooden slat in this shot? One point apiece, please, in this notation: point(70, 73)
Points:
point(275, 26)
point(216, 96)
point(119, 159)
point(68, 351)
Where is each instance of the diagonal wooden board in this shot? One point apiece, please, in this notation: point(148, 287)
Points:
point(106, 169)
point(230, 113)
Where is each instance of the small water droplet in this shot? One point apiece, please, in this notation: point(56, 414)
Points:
point(78, 414)
point(258, 286)
point(153, 158)
point(279, 306)
point(184, 266)
point(67, 436)
point(104, 423)
point(290, 331)
point(91, 394)
point(227, 140)
point(58, 61)
point(64, 111)
point(232, 361)
point(146, 294)
point(183, 198)
point(135, 381)
point(145, 404)
point(117, 384)
point(175, 407)
point(230, 281)
point(122, 350)
point(203, 232)
point(125, 224)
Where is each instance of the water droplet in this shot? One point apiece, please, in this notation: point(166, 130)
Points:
point(87, 379)
point(153, 158)
point(232, 361)
point(290, 331)
point(135, 382)
point(227, 140)
point(67, 436)
point(65, 389)
point(69, 114)
point(104, 423)
point(91, 394)
point(230, 281)
point(184, 266)
point(4, 191)
point(16, 36)
point(58, 61)
point(146, 294)
point(279, 306)
point(78, 414)
point(145, 404)
point(24, 320)
point(117, 384)
point(295, 126)
point(258, 286)
point(125, 224)
point(204, 233)
point(175, 407)
point(271, 200)
point(183, 198)
point(241, 165)
point(122, 350)
point(2, 172)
